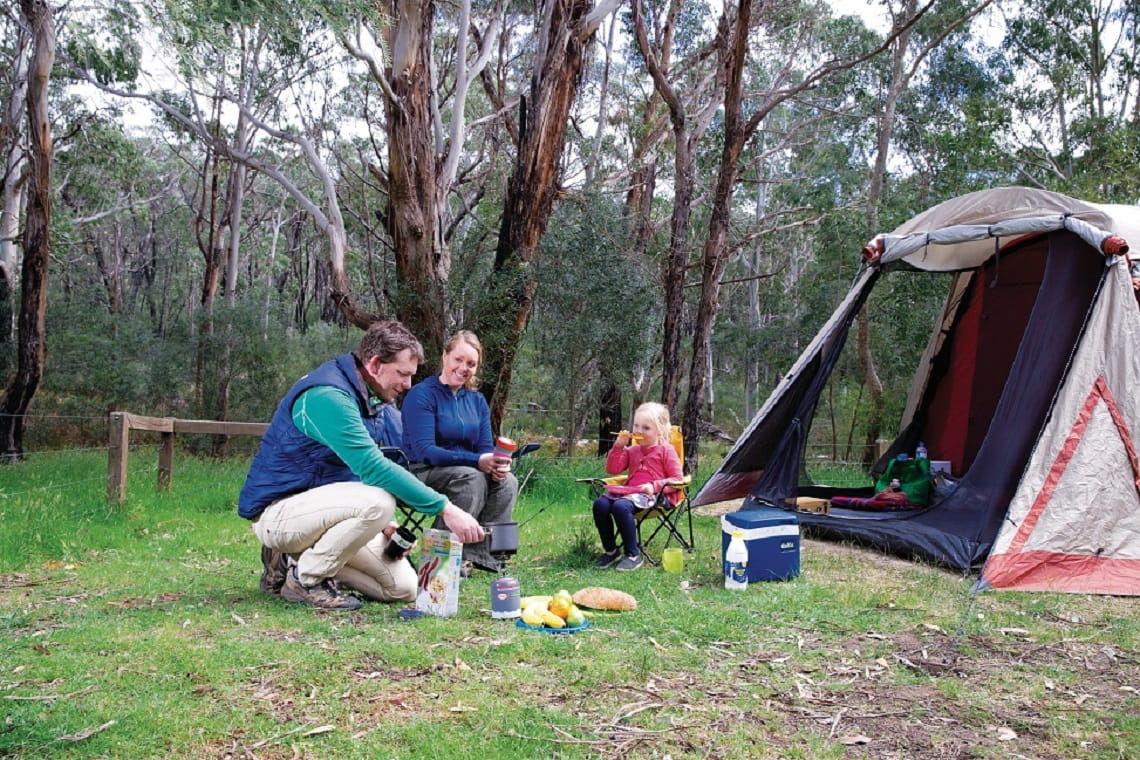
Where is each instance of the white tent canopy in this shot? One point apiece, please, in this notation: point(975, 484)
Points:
point(959, 234)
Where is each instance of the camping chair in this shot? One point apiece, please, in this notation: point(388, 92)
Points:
point(675, 520)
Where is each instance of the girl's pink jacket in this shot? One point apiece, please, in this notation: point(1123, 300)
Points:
point(657, 464)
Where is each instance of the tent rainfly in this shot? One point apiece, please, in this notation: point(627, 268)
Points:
point(1029, 387)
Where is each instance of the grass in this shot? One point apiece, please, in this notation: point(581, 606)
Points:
point(138, 631)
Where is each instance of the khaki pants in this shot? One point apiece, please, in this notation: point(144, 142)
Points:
point(334, 531)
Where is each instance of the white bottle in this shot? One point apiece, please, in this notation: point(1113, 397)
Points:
point(736, 563)
point(920, 452)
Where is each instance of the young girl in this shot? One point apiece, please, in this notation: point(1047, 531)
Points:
point(652, 462)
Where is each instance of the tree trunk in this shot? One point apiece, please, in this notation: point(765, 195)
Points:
point(867, 367)
point(685, 137)
point(715, 254)
point(11, 198)
point(33, 284)
point(609, 417)
point(412, 214)
point(544, 115)
point(872, 382)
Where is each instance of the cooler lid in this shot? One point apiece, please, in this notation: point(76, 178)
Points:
point(760, 517)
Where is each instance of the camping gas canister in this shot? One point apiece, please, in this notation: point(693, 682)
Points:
point(505, 597)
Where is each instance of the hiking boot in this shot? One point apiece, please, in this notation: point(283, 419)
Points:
point(631, 563)
point(275, 568)
point(323, 595)
point(607, 559)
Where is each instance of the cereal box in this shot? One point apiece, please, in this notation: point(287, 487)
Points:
point(440, 557)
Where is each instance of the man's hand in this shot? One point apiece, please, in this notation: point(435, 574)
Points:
point(465, 527)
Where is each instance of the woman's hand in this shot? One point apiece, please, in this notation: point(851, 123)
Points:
point(648, 488)
point(495, 466)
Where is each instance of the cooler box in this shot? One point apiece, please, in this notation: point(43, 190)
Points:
point(773, 540)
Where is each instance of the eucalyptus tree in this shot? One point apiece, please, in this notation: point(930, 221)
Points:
point(620, 160)
point(1077, 86)
point(785, 38)
point(689, 79)
point(564, 35)
point(18, 395)
point(232, 62)
point(426, 130)
point(13, 98)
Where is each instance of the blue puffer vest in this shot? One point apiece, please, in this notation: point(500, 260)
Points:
point(288, 461)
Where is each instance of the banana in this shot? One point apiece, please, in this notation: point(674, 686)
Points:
point(532, 613)
point(552, 620)
point(526, 601)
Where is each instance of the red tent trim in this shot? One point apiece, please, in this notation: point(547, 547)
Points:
point(1099, 392)
point(1071, 573)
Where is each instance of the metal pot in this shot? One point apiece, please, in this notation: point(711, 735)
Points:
point(504, 537)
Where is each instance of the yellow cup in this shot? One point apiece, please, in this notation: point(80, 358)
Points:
point(672, 559)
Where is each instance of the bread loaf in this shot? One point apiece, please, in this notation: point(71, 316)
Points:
point(599, 598)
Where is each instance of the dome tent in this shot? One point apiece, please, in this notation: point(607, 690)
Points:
point(1028, 386)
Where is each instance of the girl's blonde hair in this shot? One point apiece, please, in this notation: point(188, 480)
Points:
point(468, 337)
point(659, 413)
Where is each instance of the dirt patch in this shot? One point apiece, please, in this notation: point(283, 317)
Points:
point(873, 556)
point(719, 508)
point(918, 697)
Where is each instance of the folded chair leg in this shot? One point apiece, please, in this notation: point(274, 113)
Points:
point(669, 522)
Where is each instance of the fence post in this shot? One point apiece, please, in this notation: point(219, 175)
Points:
point(881, 446)
point(165, 460)
point(118, 447)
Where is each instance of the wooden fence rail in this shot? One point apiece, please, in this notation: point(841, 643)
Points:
point(118, 448)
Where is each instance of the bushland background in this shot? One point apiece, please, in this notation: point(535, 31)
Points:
point(626, 200)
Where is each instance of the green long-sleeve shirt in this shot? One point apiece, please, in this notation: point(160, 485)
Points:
point(330, 416)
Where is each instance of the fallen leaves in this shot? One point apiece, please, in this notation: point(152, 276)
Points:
point(304, 730)
point(854, 739)
point(1004, 733)
point(85, 733)
point(49, 697)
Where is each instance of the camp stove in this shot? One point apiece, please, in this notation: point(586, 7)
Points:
point(503, 540)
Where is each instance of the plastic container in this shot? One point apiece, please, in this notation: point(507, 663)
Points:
point(920, 452)
point(505, 447)
point(736, 563)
